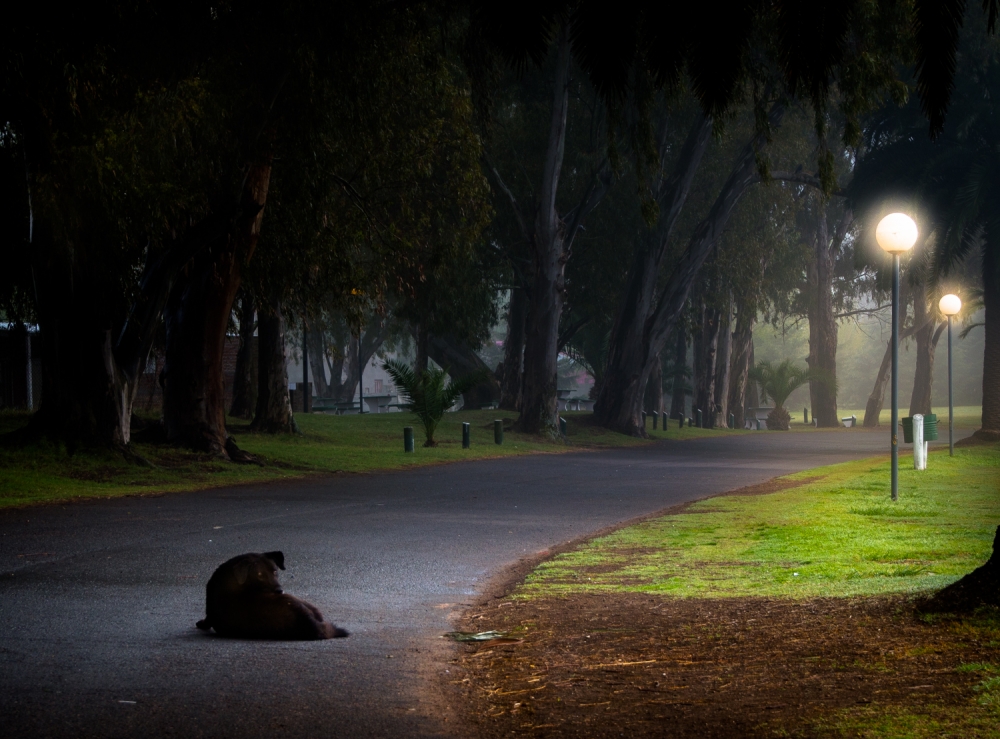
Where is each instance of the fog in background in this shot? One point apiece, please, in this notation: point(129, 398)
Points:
point(860, 347)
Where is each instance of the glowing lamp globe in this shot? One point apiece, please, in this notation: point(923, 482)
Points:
point(896, 233)
point(950, 305)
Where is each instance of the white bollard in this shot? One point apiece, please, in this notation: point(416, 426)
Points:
point(919, 445)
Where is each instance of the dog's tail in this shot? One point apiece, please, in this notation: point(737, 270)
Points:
point(334, 632)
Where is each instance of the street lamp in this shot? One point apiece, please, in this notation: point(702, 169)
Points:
point(950, 305)
point(895, 234)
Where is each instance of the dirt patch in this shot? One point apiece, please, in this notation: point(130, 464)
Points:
point(643, 665)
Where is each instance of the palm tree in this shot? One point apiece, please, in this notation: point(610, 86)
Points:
point(427, 395)
point(777, 382)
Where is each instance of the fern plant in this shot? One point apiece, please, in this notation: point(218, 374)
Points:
point(779, 381)
point(427, 395)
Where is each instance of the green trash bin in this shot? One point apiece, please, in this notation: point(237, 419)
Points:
point(930, 427)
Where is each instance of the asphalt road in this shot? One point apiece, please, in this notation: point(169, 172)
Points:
point(98, 600)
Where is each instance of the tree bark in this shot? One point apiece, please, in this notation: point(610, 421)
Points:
point(753, 392)
point(654, 390)
point(628, 346)
point(244, 387)
point(722, 365)
point(990, 430)
point(539, 408)
point(822, 325)
point(274, 408)
point(513, 351)
point(677, 405)
point(629, 363)
point(981, 587)
point(316, 341)
point(926, 340)
point(706, 381)
point(197, 317)
point(873, 408)
point(742, 352)
point(351, 380)
point(422, 338)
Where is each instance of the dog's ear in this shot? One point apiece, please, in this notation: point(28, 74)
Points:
point(277, 557)
point(241, 571)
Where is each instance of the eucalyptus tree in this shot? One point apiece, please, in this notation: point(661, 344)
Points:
point(809, 47)
point(550, 199)
point(951, 183)
point(120, 146)
point(377, 197)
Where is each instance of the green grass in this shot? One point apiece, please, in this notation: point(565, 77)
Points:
point(355, 444)
point(841, 536)
point(966, 416)
point(838, 536)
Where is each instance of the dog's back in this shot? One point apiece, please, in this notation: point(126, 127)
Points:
point(244, 600)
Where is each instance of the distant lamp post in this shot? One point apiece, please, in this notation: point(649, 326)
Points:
point(895, 234)
point(950, 305)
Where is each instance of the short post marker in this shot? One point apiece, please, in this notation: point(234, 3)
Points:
point(407, 438)
point(466, 435)
point(498, 431)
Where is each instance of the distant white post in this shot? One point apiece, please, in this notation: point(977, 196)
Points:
point(919, 445)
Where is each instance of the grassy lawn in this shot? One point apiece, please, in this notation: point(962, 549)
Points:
point(756, 591)
point(840, 535)
point(353, 444)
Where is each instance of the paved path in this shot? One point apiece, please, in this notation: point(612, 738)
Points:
point(98, 599)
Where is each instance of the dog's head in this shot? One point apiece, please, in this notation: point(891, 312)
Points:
point(253, 572)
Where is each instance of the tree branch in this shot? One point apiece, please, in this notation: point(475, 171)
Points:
point(521, 224)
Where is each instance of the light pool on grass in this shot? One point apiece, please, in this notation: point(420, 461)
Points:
point(838, 536)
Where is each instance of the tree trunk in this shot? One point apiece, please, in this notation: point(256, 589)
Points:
point(513, 351)
point(979, 588)
point(459, 360)
point(351, 380)
point(706, 382)
point(244, 391)
point(317, 362)
point(822, 327)
point(197, 317)
point(629, 363)
point(873, 408)
point(89, 381)
point(628, 346)
point(990, 430)
point(722, 365)
point(86, 396)
point(422, 338)
point(677, 405)
point(742, 352)
point(369, 343)
point(274, 408)
point(654, 390)
point(539, 407)
point(753, 392)
point(923, 376)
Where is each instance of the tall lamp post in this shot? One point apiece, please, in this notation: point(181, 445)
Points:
point(896, 234)
point(950, 305)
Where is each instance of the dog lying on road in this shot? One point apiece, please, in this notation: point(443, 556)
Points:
point(245, 600)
